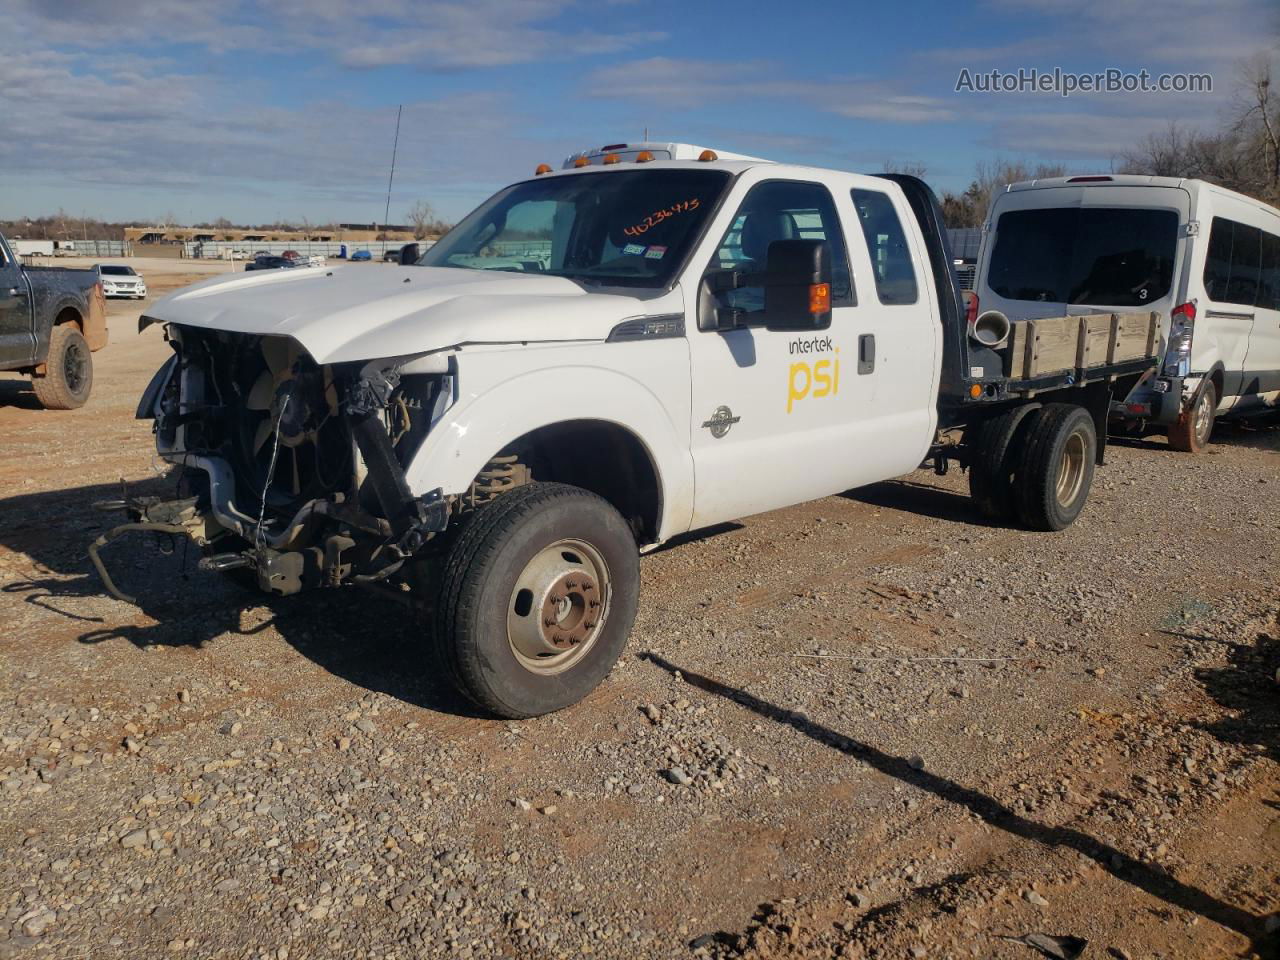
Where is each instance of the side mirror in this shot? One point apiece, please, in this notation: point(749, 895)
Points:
point(409, 254)
point(797, 287)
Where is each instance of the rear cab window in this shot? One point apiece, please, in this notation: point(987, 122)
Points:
point(891, 264)
point(1112, 256)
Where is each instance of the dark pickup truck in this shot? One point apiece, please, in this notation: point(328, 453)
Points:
point(51, 322)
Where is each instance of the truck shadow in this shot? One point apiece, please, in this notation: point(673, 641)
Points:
point(1150, 879)
point(18, 393)
point(358, 637)
point(1246, 689)
point(914, 497)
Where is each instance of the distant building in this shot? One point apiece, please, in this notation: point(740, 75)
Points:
point(351, 233)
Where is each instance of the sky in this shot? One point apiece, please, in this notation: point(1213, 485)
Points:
point(181, 111)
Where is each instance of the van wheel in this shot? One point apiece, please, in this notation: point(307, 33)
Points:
point(537, 599)
point(68, 376)
point(1055, 470)
point(1191, 433)
point(995, 446)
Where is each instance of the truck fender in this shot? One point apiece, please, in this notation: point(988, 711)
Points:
point(1216, 370)
point(477, 427)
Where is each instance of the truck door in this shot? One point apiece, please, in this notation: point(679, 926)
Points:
point(783, 417)
point(17, 340)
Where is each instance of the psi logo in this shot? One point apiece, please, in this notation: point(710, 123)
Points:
point(815, 378)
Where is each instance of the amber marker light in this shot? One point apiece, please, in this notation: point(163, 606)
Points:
point(644, 156)
point(706, 156)
point(819, 297)
point(581, 161)
point(542, 168)
point(611, 158)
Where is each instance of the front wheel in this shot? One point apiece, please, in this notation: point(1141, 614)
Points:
point(1056, 468)
point(1191, 433)
point(537, 599)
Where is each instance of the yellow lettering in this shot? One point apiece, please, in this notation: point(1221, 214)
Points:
point(821, 378)
point(794, 391)
point(836, 388)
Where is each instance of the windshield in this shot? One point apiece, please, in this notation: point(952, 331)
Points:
point(628, 228)
point(1109, 256)
point(117, 271)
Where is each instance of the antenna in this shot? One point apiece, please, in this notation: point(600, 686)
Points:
point(394, 147)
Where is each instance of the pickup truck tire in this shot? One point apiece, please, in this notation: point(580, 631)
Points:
point(1055, 470)
point(537, 599)
point(996, 447)
point(1191, 432)
point(68, 375)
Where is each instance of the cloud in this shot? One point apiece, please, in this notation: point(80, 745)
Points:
point(692, 83)
point(432, 35)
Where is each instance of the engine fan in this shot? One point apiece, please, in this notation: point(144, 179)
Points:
point(295, 399)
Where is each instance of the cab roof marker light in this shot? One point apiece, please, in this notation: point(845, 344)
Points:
point(706, 156)
point(644, 156)
point(542, 168)
point(581, 160)
point(611, 158)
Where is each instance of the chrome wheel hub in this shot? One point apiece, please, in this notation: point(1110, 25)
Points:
point(1071, 470)
point(558, 606)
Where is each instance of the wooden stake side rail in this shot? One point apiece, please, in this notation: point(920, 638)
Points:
point(1062, 345)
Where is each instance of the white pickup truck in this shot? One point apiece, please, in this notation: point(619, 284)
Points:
point(596, 360)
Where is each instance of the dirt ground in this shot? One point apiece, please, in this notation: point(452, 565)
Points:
point(905, 732)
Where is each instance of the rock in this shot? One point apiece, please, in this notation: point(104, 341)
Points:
point(549, 809)
point(1034, 898)
point(35, 926)
point(134, 839)
point(524, 805)
point(859, 900)
point(366, 726)
point(229, 885)
point(652, 712)
point(915, 762)
point(677, 776)
point(1189, 764)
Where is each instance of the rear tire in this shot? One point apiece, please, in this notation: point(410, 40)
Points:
point(68, 375)
point(1055, 470)
point(537, 599)
point(1194, 427)
point(996, 446)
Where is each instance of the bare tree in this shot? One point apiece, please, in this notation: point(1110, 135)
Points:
point(969, 209)
point(912, 168)
point(1259, 121)
point(422, 218)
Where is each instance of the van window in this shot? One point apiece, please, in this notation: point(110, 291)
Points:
point(1233, 263)
point(1269, 281)
point(887, 244)
point(1112, 256)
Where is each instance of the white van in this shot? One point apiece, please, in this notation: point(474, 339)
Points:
point(1206, 258)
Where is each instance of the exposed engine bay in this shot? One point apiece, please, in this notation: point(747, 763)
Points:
point(291, 470)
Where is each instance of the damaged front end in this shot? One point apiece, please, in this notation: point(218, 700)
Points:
point(289, 471)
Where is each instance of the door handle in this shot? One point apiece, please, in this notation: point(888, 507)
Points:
point(866, 353)
point(17, 291)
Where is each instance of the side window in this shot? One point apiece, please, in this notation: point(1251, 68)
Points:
point(887, 244)
point(782, 210)
point(1246, 256)
point(1233, 263)
point(1269, 282)
point(1217, 260)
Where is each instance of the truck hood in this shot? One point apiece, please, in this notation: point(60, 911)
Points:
point(346, 313)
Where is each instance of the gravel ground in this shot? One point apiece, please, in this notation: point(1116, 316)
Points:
point(869, 726)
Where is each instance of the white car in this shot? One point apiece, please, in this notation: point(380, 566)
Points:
point(122, 281)
point(499, 437)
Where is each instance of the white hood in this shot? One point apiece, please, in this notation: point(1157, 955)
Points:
point(368, 312)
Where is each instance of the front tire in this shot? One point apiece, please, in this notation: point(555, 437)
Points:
point(68, 375)
point(1192, 431)
point(1056, 468)
point(537, 599)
